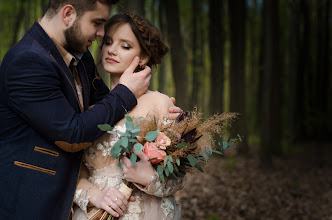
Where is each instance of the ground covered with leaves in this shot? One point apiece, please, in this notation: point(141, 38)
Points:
point(299, 187)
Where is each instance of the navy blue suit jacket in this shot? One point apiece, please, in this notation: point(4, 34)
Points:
point(42, 130)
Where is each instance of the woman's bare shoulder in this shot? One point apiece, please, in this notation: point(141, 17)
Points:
point(157, 97)
point(154, 101)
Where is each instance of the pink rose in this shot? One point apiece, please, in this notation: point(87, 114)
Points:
point(163, 141)
point(151, 150)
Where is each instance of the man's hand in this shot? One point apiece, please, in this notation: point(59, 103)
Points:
point(174, 111)
point(137, 82)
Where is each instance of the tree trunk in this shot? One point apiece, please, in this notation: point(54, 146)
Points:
point(254, 35)
point(136, 6)
point(196, 51)
point(216, 45)
point(322, 71)
point(177, 53)
point(18, 21)
point(295, 116)
point(162, 66)
point(237, 10)
point(271, 126)
point(44, 5)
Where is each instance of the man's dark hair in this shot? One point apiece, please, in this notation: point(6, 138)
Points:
point(81, 6)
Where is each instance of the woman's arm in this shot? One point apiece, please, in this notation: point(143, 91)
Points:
point(109, 199)
point(142, 174)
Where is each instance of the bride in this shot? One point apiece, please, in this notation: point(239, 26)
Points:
point(128, 36)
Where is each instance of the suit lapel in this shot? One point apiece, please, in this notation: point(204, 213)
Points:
point(46, 42)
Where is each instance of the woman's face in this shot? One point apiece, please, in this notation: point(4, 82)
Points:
point(120, 49)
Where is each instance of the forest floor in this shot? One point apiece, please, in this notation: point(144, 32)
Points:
point(299, 187)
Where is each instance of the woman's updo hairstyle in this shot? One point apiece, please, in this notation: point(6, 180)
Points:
point(148, 36)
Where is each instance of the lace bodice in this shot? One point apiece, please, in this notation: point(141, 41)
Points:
point(155, 201)
point(98, 155)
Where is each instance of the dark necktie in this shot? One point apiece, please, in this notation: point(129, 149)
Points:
point(78, 85)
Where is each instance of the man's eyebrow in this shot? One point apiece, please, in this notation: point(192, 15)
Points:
point(102, 20)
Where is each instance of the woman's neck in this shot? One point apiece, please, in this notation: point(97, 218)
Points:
point(114, 81)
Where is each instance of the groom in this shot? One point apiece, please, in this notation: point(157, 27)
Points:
point(47, 82)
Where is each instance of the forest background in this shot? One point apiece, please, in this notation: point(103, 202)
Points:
point(269, 60)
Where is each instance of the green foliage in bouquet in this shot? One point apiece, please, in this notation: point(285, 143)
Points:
point(180, 145)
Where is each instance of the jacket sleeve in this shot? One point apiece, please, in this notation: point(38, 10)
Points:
point(35, 93)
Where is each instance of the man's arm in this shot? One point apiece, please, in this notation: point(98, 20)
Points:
point(35, 94)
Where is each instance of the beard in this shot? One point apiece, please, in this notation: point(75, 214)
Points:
point(75, 42)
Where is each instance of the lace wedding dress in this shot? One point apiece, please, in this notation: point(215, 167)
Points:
point(155, 201)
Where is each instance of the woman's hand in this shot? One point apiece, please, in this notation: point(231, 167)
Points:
point(111, 200)
point(140, 173)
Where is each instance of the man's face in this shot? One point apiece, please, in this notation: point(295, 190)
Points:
point(80, 35)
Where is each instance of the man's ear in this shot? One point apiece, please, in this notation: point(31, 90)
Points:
point(68, 15)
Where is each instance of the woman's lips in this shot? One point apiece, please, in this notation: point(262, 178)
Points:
point(111, 60)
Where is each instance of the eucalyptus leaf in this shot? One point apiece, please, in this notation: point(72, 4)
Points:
point(199, 167)
point(170, 166)
point(115, 150)
point(191, 160)
point(136, 130)
point(105, 127)
point(182, 145)
point(124, 142)
point(162, 177)
point(132, 140)
point(178, 161)
point(121, 133)
point(130, 119)
point(138, 147)
point(217, 152)
point(151, 135)
point(112, 132)
point(133, 159)
point(239, 137)
point(119, 165)
point(165, 160)
point(225, 145)
point(166, 171)
point(129, 126)
point(160, 170)
point(138, 121)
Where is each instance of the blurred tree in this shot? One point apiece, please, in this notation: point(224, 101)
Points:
point(177, 53)
point(136, 6)
point(197, 51)
point(237, 9)
point(162, 67)
point(271, 127)
point(217, 50)
point(18, 20)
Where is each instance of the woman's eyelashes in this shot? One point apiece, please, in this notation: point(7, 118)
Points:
point(126, 47)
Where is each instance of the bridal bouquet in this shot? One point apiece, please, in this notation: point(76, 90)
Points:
point(173, 147)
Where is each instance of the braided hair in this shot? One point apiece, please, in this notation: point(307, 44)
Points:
point(148, 35)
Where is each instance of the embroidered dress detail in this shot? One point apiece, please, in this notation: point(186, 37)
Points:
point(155, 201)
point(81, 199)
